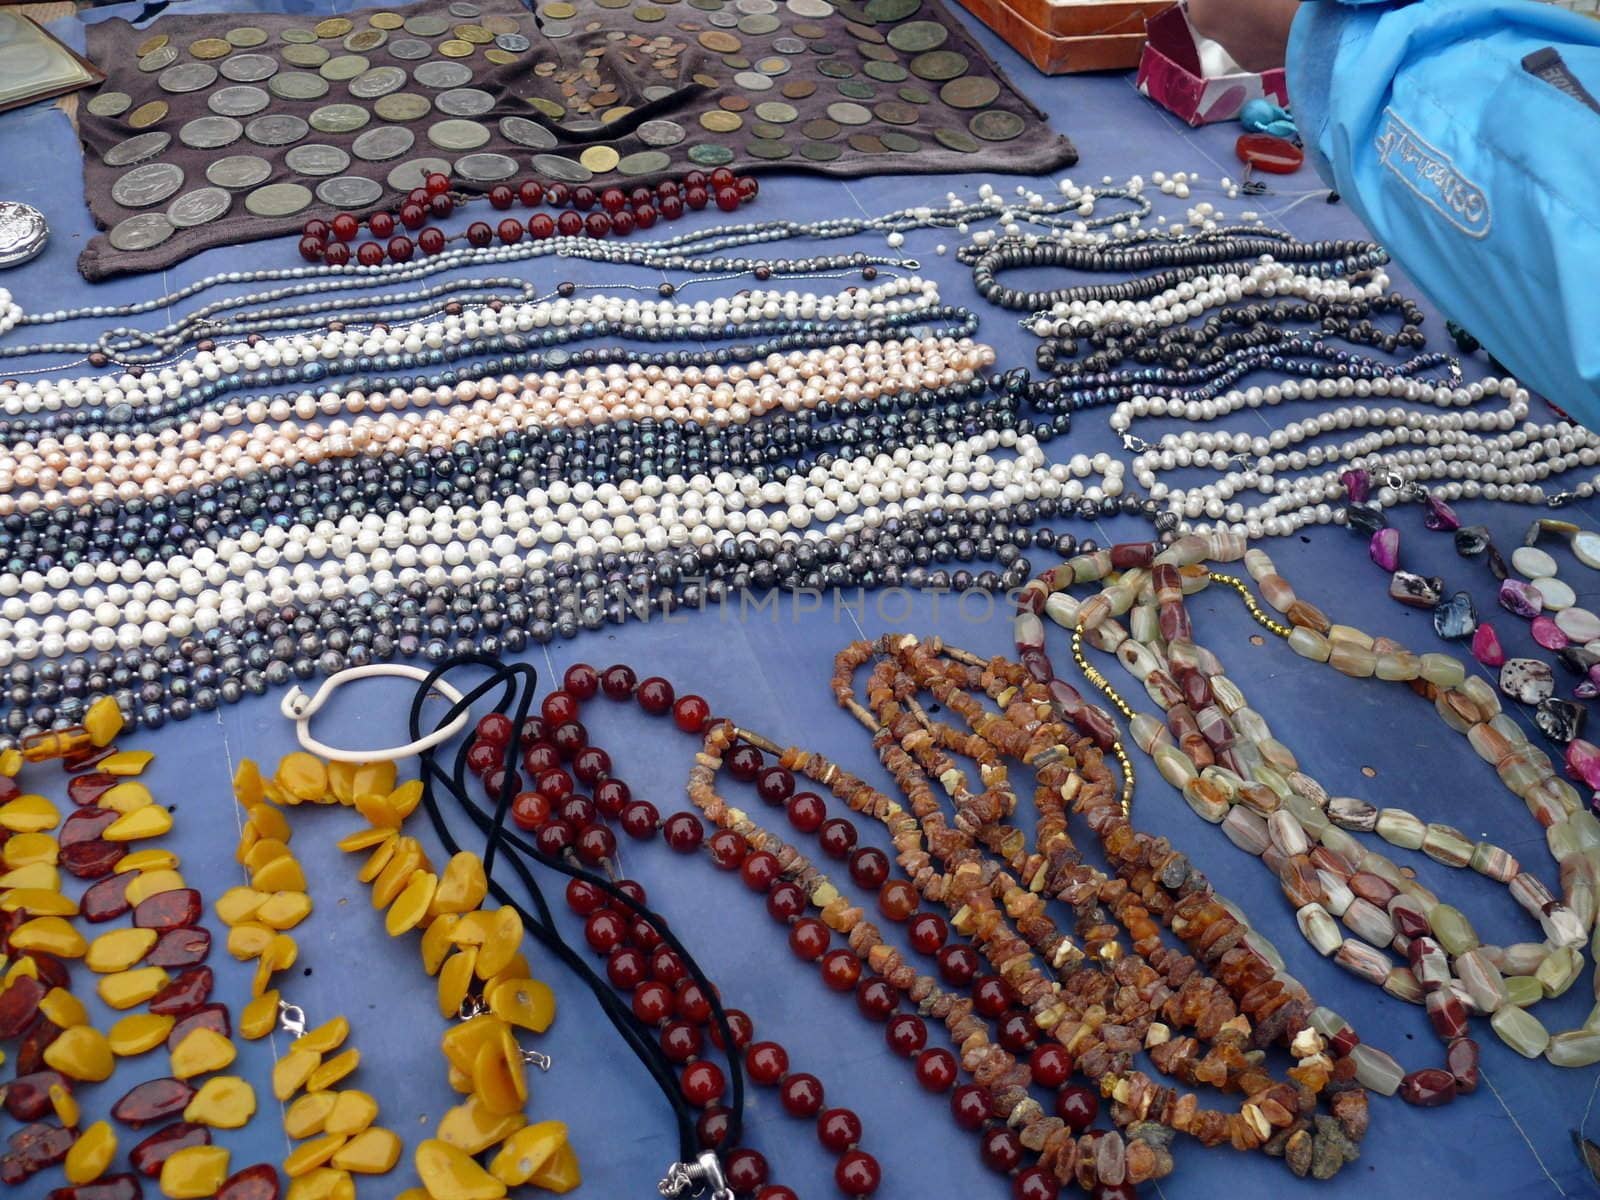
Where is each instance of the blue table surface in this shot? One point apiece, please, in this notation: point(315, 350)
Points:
point(770, 670)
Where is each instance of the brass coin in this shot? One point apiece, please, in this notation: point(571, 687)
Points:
point(455, 49)
point(889, 11)
point(615, 114)
point(363, 40)
point(820, 129)
point(333, 27)
point(600, 159)
point(734, 104)
point(210, 48)
point(499, 57)
point(970, 91)
point(821, 151)
point(834, 69)
point(343, 68)
point(149, 114)
point(707, 81)
point(387, 21)
point(476, 34)
point(866, 143)
point(896, 112)
point(777, 112)
point(848, 113)
point(809, 31)
point(877, 53)
point(306, 56)
point(708, 154)
point(884, 72)
point(402, 106)
point(499, 24)
point(246, 37)
point(718, 42)
point(297, 37)
point(912, 94)
point(649, 13)
point(109, 104)
point(996, 125)
point(957, 139)
point(772, 150)
point(938, 65)
point(426, 25)
point(900, 143)
point(548, 107)
point(857, 89)
point(645, 162)
point(150, 45)
point(864, 33)
point(799, 89)
point(721, 121)
point(916, 36)
point(560, 11)
point(765, 131)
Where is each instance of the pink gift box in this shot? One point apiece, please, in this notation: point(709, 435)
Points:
point(1169, 73)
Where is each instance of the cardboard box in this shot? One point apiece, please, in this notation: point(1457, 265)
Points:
point(1060, 37)
point(1170, 74)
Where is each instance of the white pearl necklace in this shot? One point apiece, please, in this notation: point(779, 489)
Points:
point(131, 604)
point(1468, 451)
point(889, 297)
point(1189, 299)
point(10, 312)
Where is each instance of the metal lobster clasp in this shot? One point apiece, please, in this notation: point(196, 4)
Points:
point(701, 1177)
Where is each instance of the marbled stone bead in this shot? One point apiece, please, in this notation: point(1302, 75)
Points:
point(1451, 927)
point(1519, 958)
point(1448, 845)
point(1373, 888)
point(1375, 1070)
point(1559, 971)
point(1397, 667)
point(1462, 1060)
point(1287, 834)
point(1430, 1087)
point(1309, 644)
point(1410, 918)
point(1521, 1030)
point(1361, 959)
point(1446, 1014)
point(1299, 881)
point(1403, 985)
point(1521, 991)
point(1246, 830)
point(1428, 963)
point(1400, 828)
point(1443, 670)
point(1319, 928)
point(1574, 1048)
point(1350, 813)
point(1482, 980)
point(1353, 661)
point(1490, 860)
point(1477, 689)
point(1312, 819)
point(1368, 922)
point(1336, 894)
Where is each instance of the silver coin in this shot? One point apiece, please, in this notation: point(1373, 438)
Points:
point(759, 24)
point(317, 159)
point(660, 133)
point(249, 68)
point(457, 135)
point(656, 91)
point(137, 148)
point(464, 102)
point(383, 143)
point(847, 112)
point(349, 191)
point(723, 19)
point(199, 207)
point(566, 170)
point(753, 81)
point(110, 104)
point(239, 171)
point(23, 231)
point(426, 25)
point(379, 81)
point(339, 118)
point(513, 43)
point(141, 232)
point(276, 129)
point(158, 60)
point(558, 29)
point(245, 100)
point(788, 45)
point(812, 10)
point(526, 133)
point(752, 8)
point(409, 49)
point(487, 167)
point(187, 77)
point(363, 40)
point(298, 85)
point(465, 11)
point(147, 185)
point(210, 133)
point(414, 174)
point(278, 199)
point(442, 74)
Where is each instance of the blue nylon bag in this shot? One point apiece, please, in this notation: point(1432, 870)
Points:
point(1466, 134)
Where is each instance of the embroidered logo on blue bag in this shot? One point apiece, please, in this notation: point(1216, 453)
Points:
point(1430, 173)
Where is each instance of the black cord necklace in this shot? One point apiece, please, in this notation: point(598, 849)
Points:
point(503, 843)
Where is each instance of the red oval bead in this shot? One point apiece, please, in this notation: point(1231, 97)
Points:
point(176, 909)
point(149, 1155)
point(27, 1097)
point(745, 1170)
point(655, 695)
point(969, 1105)
point(936, 1069)
point(801, 1095)
point(208, 1016)
point(838, 1129)
point(702, 1083)
point(682, 1040)
point(767, 1062)
point(179, 948)
point(683, 832)
point(184, 994)
point(809, 939)
point(857, 1174)
point(1077, 1106)
point(906, 1034)
point(840, 970)
point(1034, 1183)
point(437, 183)
point(259, 1182)
point(84, 790)
point(369, 254)
point(1050, 1064)
point(345, 227)
point(690, 714)
point(381, 224)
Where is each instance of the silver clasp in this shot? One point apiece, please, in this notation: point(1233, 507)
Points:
point(1560, 499)
point(291, 1018)
point(535, 1059)
point(697, 1178)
